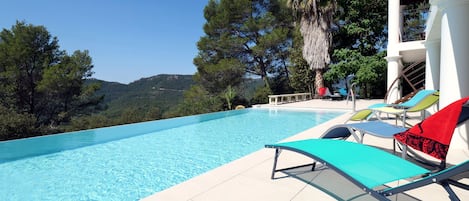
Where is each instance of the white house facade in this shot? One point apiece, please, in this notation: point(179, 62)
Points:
point(445, 50)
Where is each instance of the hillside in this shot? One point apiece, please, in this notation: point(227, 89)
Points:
point(160, 91)
point(153, 96)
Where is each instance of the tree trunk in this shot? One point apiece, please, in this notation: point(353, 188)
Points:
point(318, 80)
point(266, 82)
point(317, 39)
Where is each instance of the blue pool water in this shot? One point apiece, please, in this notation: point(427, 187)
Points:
point(134, 161)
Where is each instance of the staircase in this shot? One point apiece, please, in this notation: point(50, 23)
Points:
point(412, 79)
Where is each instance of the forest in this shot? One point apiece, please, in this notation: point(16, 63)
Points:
point(250, 49)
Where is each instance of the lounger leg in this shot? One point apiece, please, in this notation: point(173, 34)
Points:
point(458, 184)
point(404, 118)
point(274, 168)
point(452, 195)
point(277, 153)
point(404, 151)
point(352, 132)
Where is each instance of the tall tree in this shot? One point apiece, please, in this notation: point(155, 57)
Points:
point(63, 85)
point(302, 77)
point(25, 51)
point(316, 18)
point(359, 42)
point(39, 80)
point(242, 36)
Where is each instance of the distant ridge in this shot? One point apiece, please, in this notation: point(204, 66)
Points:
point(163, 91)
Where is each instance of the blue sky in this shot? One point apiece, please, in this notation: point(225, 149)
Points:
point(127, 39)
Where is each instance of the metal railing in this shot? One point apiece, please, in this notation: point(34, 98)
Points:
point(414, 20)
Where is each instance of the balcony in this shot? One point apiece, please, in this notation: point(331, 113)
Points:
point(412, 33)
point(413, 22)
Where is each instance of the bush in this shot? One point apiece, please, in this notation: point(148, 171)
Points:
point(261, 95)
point(14, 125)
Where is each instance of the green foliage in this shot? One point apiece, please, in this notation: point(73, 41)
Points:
point(359, 41)
point(25, 51)
point(361, 25)
point(301, 76)
point(14, 125)
point(369, 70)
point(261, 95)
point(63, 85)
point(302, 79)
point(229, 95)
point(87, 122)
point(130, 115)
point(216, 77)
point(39, 81)
point(197, 100)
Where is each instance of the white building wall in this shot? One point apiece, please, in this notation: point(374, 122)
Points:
point(432, 69)
point(454, 70)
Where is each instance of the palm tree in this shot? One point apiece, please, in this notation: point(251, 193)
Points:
point(315, 20)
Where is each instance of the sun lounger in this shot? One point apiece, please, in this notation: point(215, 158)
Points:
point(402, 111)
point(360, 115)
point(418, 103)
point(372, 169)
point(359, 130)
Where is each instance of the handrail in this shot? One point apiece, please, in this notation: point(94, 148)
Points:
point(353, 97)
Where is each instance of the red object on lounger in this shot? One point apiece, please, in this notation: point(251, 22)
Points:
point(433, 135)
point(322, 91)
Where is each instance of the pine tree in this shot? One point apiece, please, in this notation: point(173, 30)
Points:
point(40, 85)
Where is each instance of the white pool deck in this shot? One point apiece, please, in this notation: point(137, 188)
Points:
point(248, 178)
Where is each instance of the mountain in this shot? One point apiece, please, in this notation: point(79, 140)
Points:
point(160, 91)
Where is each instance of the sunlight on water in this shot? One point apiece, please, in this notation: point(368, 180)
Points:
point(135, 167)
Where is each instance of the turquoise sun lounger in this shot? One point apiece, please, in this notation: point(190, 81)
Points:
point(371, 168)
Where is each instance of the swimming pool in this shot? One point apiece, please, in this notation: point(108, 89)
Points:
point(134, 161)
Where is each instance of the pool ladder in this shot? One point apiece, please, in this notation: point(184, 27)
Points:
point(351, 94)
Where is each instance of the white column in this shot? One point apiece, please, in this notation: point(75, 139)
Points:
point(454, 72)
point(432, 69)
point(394, 69)
point(393, 24)
point(393, 50)
point(401, 20)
